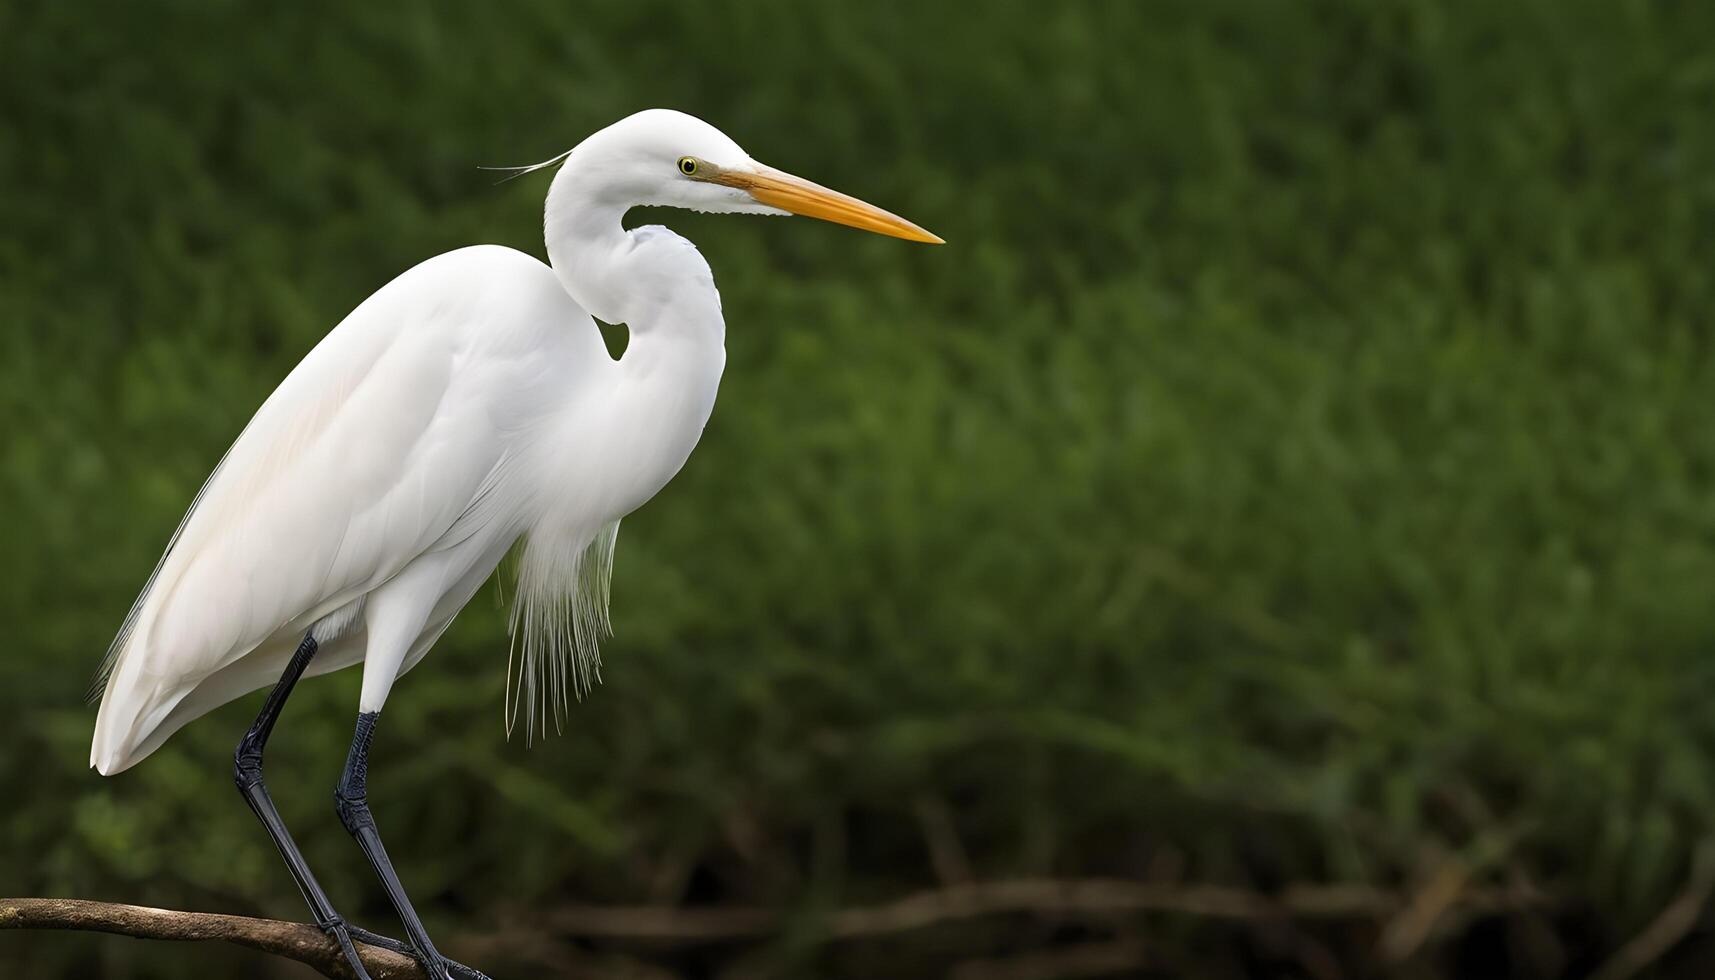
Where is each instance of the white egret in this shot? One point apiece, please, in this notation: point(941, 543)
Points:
point(468, 404)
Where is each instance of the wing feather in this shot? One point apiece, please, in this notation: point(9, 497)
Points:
point(367, 455)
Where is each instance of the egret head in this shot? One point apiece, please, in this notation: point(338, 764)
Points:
point(667, 158)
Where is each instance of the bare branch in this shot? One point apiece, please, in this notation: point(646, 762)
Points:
point(1408, 930)
point(293, 940)
point(1671, 925)
point(388, 960)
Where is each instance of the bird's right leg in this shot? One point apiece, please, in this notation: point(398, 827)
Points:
point(247, 772)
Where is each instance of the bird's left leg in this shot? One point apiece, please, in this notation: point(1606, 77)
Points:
point(396, 616)
point(351, 799)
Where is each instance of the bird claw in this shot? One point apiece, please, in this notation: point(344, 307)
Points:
point(451, 968)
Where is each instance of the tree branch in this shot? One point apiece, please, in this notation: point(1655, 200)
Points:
point(1670, 926)
point(387, 959)
point(293, 940)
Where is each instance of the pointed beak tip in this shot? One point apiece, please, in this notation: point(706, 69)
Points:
point(906, 231)
point(917, 233)
point(796, 195)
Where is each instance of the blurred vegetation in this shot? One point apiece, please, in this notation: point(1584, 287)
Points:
point(1298, 469)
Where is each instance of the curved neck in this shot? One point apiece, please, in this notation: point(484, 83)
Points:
point(585, 242)
point(661, 392)
point(649, 279)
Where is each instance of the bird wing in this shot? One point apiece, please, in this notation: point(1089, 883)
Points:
point(364, 458)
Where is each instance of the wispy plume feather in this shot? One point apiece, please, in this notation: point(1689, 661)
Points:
point(559, 618)
point(513, 173)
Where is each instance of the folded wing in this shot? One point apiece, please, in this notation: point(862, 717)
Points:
point(364, 458)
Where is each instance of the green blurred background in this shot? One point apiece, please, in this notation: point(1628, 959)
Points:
point(1293, 484)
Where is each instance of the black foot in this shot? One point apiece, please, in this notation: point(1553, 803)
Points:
point(457, 970)
point(343, 934)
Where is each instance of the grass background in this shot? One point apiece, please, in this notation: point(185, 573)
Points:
point(1297, 469)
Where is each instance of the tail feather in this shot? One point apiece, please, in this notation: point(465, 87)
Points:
point(129, 714)
point(138, 715)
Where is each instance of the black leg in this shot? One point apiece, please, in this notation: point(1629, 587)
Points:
point(351, 800)
point(247, 772)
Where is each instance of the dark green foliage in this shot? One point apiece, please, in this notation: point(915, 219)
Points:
point(1297, 467)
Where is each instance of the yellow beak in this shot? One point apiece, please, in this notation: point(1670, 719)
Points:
point(778, 189)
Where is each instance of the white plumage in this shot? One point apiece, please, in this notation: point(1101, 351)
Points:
point(468, 403)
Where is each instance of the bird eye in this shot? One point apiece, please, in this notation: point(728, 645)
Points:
point(687, 166)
